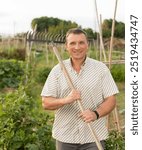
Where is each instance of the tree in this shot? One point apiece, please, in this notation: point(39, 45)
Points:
point(119, 29)
point(90, 33)
point(57, 26)
point(54, 25)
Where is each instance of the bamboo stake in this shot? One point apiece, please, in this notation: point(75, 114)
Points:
point(101, 50)
point(115, 111)
point(101, 39)
point(28, 53)
point(73, 88)
point(112, 36)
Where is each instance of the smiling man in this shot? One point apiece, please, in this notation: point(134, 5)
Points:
point(95, 88)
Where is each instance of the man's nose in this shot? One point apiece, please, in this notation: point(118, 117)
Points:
point(77, 46)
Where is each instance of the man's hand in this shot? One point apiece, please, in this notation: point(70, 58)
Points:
point(72, 97)
point(88, 116)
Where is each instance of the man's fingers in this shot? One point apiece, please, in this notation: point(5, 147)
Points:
point(87, 116)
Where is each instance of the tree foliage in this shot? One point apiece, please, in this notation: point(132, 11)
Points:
point(90, 33)
point(59, 26)
point(119, 31)
point(53, 25)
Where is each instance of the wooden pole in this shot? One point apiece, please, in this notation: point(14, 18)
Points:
point(101, 50)
point(115, 111)
point(101, 39)
point(78, 101)
point(112, 36)
point(28, 53)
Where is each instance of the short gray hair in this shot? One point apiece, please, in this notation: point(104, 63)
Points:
point(75, 31)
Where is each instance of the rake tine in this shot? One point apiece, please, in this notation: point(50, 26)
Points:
point(30, 35)
point(27, 35)
point(42, 36)
point(54, 38)
point(63, 38)
point(50, 37)
point(37, 36)
point(46, 36)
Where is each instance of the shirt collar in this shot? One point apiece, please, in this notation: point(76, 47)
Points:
point(82, 66)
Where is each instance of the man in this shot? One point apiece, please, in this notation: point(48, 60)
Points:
point(95, 88)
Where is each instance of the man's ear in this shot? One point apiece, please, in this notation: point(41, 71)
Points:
point(66, 46)
point(87, 45)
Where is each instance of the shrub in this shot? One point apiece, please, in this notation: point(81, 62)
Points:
point(115, 141)
point(11, 72)
point(22, 125)
point(43, 74)
point(18, 54)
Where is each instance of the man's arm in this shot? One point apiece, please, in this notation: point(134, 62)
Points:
point(52, 103)
point(107, 106)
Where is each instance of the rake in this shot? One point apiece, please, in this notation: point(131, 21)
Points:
point(52, 39)
point(66, 74)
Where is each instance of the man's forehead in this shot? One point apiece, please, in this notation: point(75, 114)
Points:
point(76, 36)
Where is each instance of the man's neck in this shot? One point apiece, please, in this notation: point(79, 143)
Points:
point(77, 63)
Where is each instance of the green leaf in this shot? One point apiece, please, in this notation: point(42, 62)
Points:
point(32, 147)
point(1, 72)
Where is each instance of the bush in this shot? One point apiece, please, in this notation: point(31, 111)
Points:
point(118, 73)
point(43, 74)
point(22, 125)
point(18, 54)
point(115, 141)
point(11, 72)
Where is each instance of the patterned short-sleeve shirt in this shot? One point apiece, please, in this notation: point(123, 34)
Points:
point(95, 83)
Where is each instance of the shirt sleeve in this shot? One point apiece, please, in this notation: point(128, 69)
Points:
point(50, 87)
point(108, 84)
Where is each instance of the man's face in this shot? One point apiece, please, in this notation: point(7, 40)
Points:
point(77, 45)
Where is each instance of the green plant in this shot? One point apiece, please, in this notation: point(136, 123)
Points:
point(13, 53)
point(118, 72)
point(115, 141)
point(43, 74)
point(22, 125)
point(11, 72)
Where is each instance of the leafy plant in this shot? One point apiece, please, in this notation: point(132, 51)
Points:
point(43, 74)
point(115, 141)
point(118, 73)
point(10, 73)
point(13, 53)
point(22, 125)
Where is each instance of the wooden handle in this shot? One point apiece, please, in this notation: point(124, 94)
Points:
point(66, 74)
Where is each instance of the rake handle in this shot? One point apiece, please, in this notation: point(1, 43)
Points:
point(66, 74)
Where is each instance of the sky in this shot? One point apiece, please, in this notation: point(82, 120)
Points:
point(16, 15)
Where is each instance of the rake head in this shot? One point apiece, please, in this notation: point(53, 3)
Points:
point(45, 37)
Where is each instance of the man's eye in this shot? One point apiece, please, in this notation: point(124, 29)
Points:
point(81, 43)
point(72, 43)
